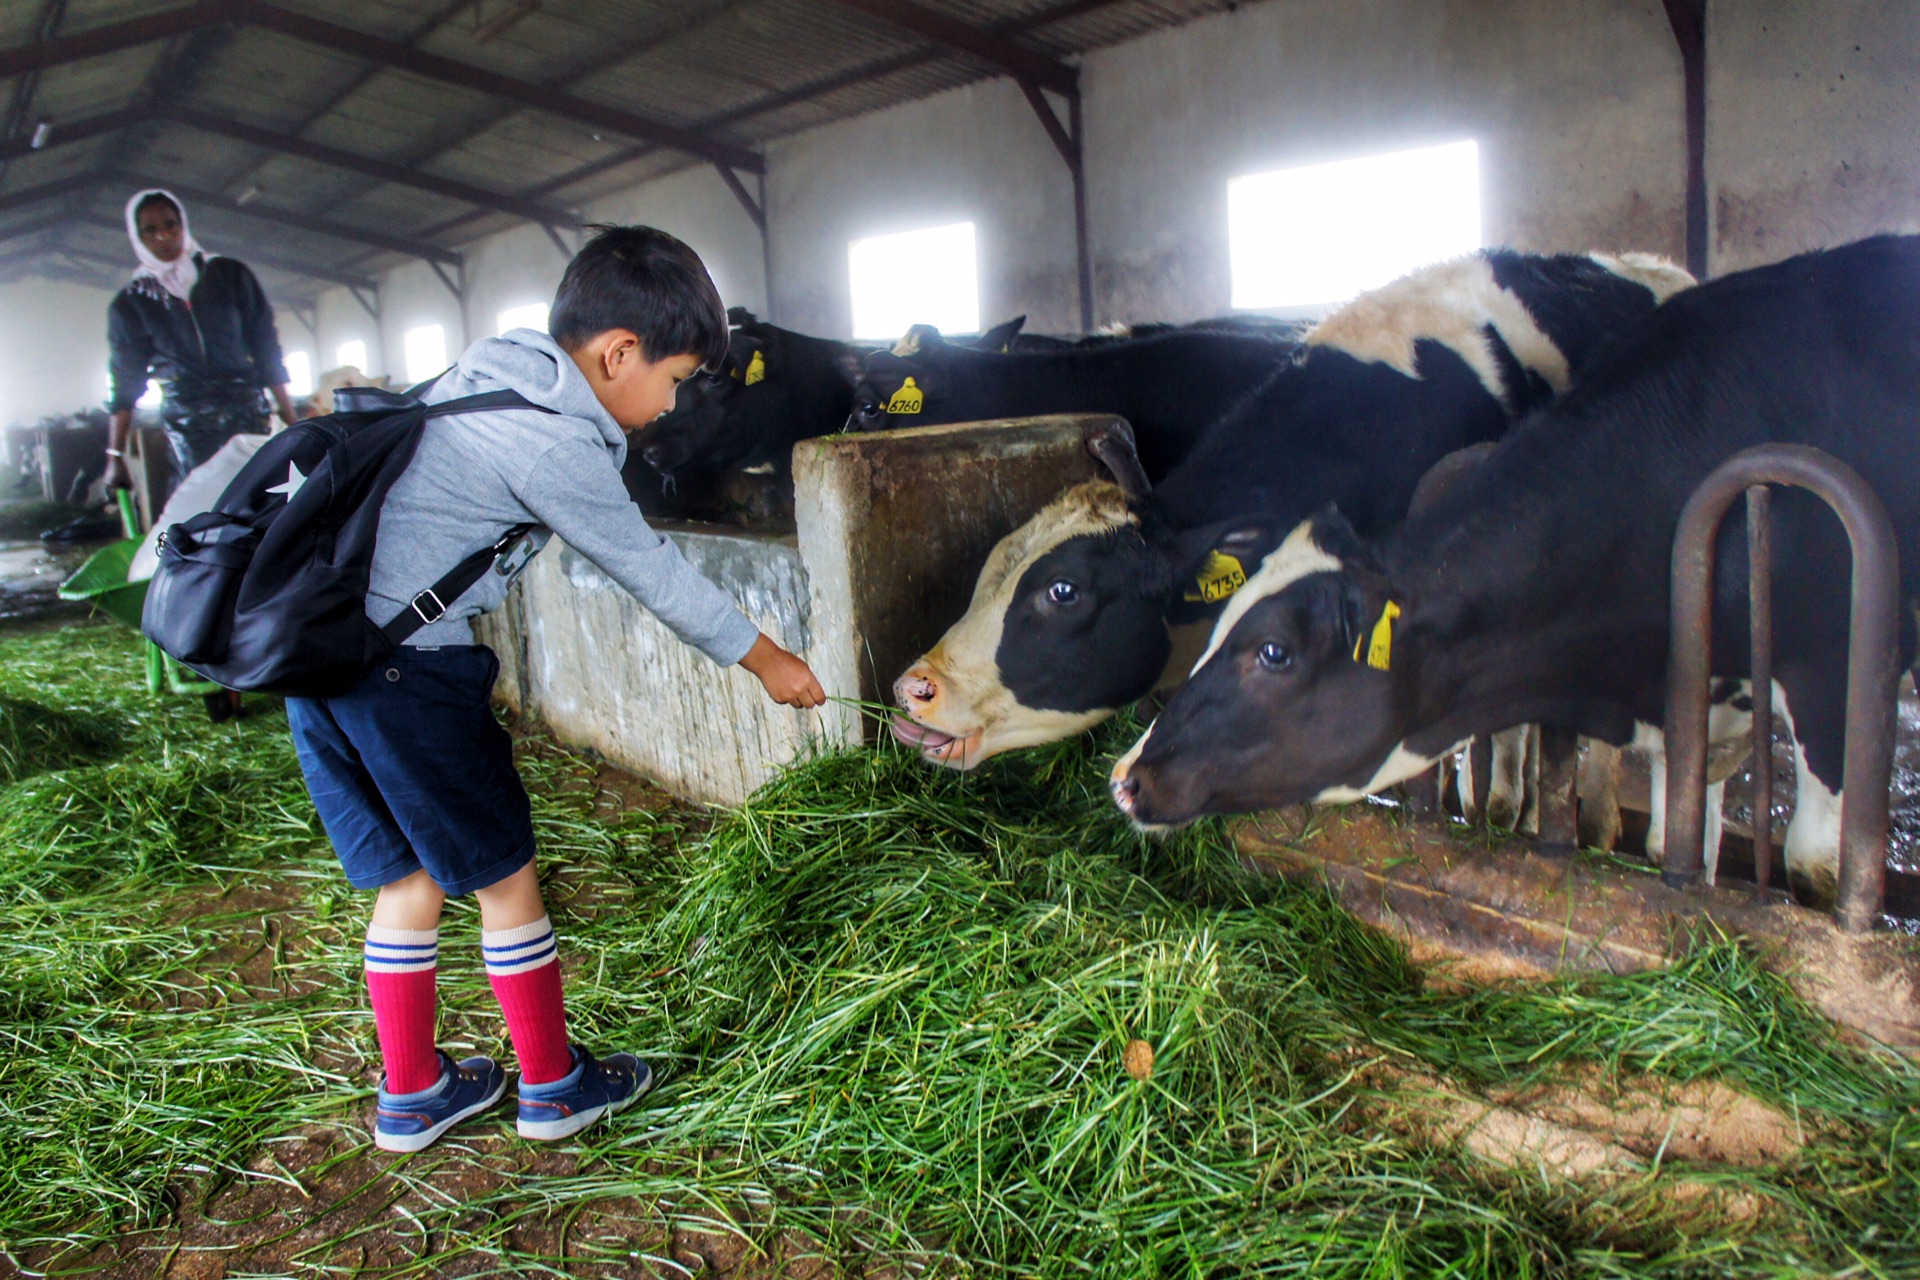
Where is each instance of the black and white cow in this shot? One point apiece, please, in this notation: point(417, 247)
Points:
point(1170, 387)
point(776, 387)
point(1538, 590)
point(1085, 607)
point(731, 432)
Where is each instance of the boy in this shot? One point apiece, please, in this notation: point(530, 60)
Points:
point(413, 778)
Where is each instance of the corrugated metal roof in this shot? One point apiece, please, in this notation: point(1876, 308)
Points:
point(736, 72)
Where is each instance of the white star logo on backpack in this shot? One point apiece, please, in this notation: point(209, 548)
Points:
point(293, 483)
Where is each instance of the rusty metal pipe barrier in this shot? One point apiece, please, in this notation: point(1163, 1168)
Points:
point(1873, 666)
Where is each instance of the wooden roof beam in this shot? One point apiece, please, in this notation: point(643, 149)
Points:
point(42, 54)
point(66, 132)
point(301, 221)
point(1017, 60)
point(400, 175)
point(247, 252)
point(403, 57)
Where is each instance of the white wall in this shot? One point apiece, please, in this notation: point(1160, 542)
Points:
point(1813, 138)
point(53, 348)
point(1577, 109)
point(975, 153)
point(1813, 124)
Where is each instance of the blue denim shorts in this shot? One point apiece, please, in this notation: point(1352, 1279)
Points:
point(411, 770)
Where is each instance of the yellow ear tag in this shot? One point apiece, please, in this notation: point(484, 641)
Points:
point(1219, 578)
point(1379, 646)
point(756, 369)
point(907, 399)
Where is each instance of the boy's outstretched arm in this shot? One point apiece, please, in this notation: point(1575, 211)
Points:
point(788, 679)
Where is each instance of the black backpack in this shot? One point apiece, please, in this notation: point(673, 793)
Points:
point(267, 592)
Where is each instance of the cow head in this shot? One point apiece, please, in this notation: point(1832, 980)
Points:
point(756, 403)
point(1069, 621)
point(1295, 698)
point(906, 386)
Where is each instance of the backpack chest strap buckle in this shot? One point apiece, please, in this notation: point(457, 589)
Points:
point(425, 600)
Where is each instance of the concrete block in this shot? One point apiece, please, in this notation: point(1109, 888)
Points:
point(894, 527)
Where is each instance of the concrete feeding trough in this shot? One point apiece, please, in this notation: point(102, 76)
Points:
point(893, 528)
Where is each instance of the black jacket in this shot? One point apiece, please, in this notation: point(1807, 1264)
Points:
point(226, 338)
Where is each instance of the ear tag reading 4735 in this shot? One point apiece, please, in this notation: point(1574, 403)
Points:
point(1379, 645)
point(1218, 578)
point(907, 399)
point(756, 369)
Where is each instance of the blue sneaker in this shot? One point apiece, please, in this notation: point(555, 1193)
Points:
point(415, 1121)
point(592, 1089)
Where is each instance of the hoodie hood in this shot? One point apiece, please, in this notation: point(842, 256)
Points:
point(533, 364)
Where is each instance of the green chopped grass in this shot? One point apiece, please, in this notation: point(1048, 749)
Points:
point(890, 1007)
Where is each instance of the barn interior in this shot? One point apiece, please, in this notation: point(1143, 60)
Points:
point(905, 1019)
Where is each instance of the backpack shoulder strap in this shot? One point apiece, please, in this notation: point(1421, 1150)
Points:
point(430, 605)
point(485, 400)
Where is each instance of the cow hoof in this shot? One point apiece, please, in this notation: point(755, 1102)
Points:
point(1815, 887)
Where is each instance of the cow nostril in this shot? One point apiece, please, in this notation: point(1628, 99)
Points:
point(920, 690)
point(1125, 791)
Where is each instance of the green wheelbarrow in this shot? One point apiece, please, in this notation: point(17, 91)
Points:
point(102, 582)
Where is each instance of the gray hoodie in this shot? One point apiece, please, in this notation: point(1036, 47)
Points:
point(476, 475)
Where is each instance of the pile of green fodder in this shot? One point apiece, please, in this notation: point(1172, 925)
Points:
point(898, 1008)
point(902, 1011)
point(133, 1049)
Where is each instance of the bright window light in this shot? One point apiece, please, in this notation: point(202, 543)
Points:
point(531, 316)
point(426, 352)
point(915, 277)
point(1318, 235)
point(351, 353)
point(299, 373)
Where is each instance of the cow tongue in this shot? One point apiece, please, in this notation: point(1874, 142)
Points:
point(918, 735)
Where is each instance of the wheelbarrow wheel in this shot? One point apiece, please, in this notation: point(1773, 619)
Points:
point(222, 705)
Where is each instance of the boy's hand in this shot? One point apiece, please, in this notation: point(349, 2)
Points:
point(788, 680)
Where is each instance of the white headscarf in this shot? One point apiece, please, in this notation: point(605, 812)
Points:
point(179, 276)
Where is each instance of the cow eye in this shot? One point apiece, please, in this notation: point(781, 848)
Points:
point(1063, 592)
point(1274, 657)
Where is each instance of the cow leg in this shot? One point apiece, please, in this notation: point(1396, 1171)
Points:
point(1813, 834)
point(1654, 743)
point(1599, 795)
point(1475, 779)
point(1507, 787)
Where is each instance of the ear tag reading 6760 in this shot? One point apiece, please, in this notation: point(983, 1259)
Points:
point(756, 369)
point(1218, 578)
point(907, 399)
point(1379, 645)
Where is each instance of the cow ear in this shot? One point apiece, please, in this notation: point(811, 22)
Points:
point(917, 339)
point(1350, 626)
point(750, 358)
point(851, 364)
point(1334, 534)
point(1001, 336)
point(739, 317)
point(1111, 442)
point(1214, 562)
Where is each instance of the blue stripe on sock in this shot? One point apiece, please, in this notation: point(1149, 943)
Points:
point(544, 940)
point(503, 962)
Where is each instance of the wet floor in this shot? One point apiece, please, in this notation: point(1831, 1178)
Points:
point(1903, 845)
point(30, 578)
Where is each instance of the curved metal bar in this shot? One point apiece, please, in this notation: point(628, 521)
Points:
point(1873, 665)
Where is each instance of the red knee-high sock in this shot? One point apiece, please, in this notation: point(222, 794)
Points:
point(524, 967)
point(400, 982)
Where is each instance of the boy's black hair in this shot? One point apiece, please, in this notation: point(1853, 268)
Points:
point(642, 279)
point(154, 199)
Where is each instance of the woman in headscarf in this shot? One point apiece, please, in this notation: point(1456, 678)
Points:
point(200, 324)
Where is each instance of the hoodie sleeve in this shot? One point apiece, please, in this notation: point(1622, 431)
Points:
point(574, 491)
point(129, 353)
point(256, 321)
